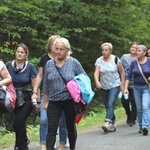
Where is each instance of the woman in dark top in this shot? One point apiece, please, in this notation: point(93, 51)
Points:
point(23, 75)
point(140, 89)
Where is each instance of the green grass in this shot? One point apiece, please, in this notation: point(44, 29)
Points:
point(90, 121)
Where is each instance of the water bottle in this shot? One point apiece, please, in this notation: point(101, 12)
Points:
point(126, 96)
point(120, 95)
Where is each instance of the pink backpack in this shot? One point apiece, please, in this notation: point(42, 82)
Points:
point(75, 91)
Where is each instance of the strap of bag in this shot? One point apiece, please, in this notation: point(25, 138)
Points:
point(59, 73)
point(142, 72)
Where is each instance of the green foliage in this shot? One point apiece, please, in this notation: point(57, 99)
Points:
point(86, 23)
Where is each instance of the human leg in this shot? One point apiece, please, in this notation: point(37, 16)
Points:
point(68, 106)
point(146, 110)
point(133, 107)
point(109, 98)
point(138, 100)
point(126, 106)
point(43, 125)
point(62, 130)
point(22, 114)
point(54, 111)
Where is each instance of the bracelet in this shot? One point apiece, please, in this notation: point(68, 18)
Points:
point(34, 93)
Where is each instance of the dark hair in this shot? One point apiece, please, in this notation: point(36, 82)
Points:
point(148, 47)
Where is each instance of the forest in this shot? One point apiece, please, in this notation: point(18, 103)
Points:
point(85, 23)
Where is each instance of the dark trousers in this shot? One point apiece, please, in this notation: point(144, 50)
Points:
point(54, 111)
point(22, 114)
point(129, 105)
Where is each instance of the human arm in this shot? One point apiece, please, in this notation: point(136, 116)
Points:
point(96, 77)
point(6, 78)
point(122, 76)
point(45, 101)
point(37, 84)
point(126, 87)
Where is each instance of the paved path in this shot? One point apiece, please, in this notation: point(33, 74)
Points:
point(125, 138)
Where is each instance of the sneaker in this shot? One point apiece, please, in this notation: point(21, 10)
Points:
point(27, 144)
point(62, 147)
point(55, 146)
point(128, 119)
point(106, 127)
point(140, 130)
point(16, 148)
point(112, 127)
point(131, 123)
point(67, 143)
point(145, 131)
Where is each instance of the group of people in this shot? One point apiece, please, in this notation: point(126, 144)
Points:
point(57, 113)
point(111, 75)
point(131, 76)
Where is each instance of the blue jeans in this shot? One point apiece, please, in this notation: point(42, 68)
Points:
point(109, 99)
point(142, 100)
point(44, 125)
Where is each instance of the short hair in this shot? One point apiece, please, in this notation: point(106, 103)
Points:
point(143, 47)
point(134, 43)
point(24, 46)
point(148, 47)
point(66, 43)
point(107, 44)
point(50, 42)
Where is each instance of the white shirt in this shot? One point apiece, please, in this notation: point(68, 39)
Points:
point(109, 76)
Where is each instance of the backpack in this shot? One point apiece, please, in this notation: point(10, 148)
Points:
point(84, 83)
point(7, 98)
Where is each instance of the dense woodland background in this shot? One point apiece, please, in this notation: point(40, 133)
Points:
point(86, 23)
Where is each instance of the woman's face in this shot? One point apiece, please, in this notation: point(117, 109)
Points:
point(20, 54)
point(62, 51)
point(106, 51)
point(133, 49)
point(140, 53)
point(148, 53)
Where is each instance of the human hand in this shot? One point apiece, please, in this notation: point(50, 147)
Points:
point(98, 85)
point(45, 105)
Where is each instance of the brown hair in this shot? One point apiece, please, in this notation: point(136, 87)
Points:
point(25, 49)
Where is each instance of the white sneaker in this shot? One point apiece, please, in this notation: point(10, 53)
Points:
point(106, 127)
point(55, 146)
point(112, 127)
point(67, 143)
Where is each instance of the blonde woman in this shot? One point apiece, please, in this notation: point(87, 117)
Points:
point(107, 79)
point(56, 95)
point(50, 54)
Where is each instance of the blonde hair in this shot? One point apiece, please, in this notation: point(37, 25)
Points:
point(65, 42)
point(107, 44)
point(50, 42)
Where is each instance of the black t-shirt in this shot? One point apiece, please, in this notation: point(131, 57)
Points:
point(44, 60)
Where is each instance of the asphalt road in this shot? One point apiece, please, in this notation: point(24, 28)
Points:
point(125, 138)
